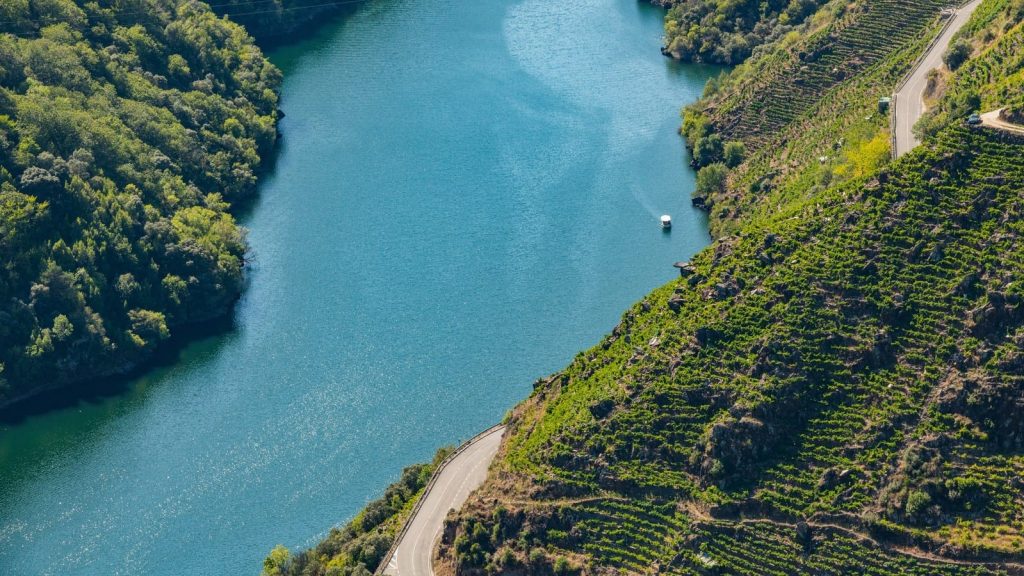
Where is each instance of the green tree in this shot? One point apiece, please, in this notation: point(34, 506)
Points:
point(537, 557)
point(711, 179)
point(707, 149)
point(957, 54)
point(62, 328)
point(917, 502)
point(117, 174)
point(148, 327)
point(562, 567)
point(734, 153)
point(276, 563)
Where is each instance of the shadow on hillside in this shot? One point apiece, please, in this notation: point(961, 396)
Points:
point(95, 391)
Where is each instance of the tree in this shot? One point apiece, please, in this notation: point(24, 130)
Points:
point(537, 557)
point(866, 158)
point(276, 563)
point(711, 179)
point(734, 153)
point(957, 54)
point(62, 328)
point(148, 327)
point(917, 502)
point(707, 150)
point(116, 179)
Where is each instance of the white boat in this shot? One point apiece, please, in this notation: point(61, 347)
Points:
point(666, 221)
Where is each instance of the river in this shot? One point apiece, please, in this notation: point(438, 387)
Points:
point(466, 194)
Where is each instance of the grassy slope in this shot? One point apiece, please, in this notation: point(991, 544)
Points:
point(835, 387)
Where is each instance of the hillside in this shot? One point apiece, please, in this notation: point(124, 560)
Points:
point(806, 111)
point(127, 129)
point(835, 384)
point(722, 32)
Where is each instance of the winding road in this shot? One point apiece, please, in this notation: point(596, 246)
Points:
point(462, 473)
point(909, 105)
point(466, 470)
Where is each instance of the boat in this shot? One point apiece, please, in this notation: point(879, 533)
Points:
point(666, 221)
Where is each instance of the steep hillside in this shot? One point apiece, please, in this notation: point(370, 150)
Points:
point(806, 111)
point(126, 129)
point(834, 386)
point(724, 32)
point(991, 80)
point(851, 363)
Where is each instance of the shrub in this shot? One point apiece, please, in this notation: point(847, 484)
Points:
point(917, 502)
point(276, 563)
point(711, 179)
point(957, 54)
point(707, 149)
point(734, 153)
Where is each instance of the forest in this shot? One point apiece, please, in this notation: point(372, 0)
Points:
point(128, 130)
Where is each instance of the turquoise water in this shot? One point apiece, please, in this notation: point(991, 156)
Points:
point(466, 194)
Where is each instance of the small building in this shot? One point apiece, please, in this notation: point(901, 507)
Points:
point(883, 104)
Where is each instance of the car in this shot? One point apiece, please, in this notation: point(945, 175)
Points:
point(974, 119)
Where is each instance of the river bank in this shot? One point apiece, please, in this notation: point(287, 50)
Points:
point(436, 233)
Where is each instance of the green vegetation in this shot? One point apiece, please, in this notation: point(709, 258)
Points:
point(834, 385)
point(845, 362)
point(734, 153)
point(126, 130)
point(727, 32)
point(808, 104)
point(957, 54)
point(711, 180)
point(991, 80)
point(277, 20)
point(358, 548)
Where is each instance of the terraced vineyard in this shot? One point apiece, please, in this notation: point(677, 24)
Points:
point(836, 386)
point(632, 535)
point(807, 110)
point(851, 362)
point(991, 80)
point(781, 88)
point(765, 548)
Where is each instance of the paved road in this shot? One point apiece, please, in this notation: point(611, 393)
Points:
point(910, 98)
point(463, 474)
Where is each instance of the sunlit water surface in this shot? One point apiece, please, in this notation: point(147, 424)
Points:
point(466, 194)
